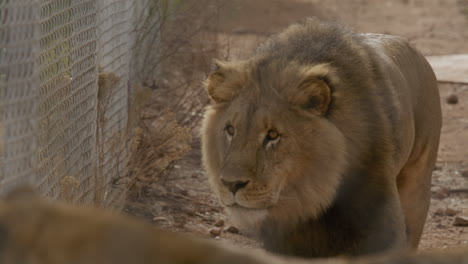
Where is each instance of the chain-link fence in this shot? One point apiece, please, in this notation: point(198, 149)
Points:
point(71, 77)
point(64, 95)
point(19, 90)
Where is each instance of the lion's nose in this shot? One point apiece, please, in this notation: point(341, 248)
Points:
point(234, 186)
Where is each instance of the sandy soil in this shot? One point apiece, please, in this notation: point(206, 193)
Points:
point(184, 202)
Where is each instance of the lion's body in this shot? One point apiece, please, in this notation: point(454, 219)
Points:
point(356, 120)
point(34, 231)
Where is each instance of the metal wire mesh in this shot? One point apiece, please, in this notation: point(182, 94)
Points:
point(116, 23)
point(64, 72)
point(18, 79)
point(67, 96)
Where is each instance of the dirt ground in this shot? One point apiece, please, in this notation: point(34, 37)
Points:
point(184, 202)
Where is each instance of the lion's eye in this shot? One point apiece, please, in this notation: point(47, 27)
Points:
point(272, 135)
point(230, 130)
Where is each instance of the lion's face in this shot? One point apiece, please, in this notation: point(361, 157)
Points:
point(268, 147)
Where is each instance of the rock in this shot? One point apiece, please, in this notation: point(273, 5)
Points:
point(452, 99)
point(440, 194)
point(219, 223)
point(233, 229)
point(180, 221)
point(451, 212)
point(461, 221)
point(160, 219)
point(215, 232)
point(439, 212)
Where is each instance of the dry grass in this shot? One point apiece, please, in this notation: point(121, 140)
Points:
point(155, 152)
point(167, 121)
point(139, 155)
point(109, 147)
point(166, 99)
point(183, 34)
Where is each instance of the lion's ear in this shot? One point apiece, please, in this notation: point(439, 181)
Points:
point(317, 95)
point(314, 92)
point(225, 82)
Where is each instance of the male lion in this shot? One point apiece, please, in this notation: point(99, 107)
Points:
point(324, 141)
point(35, 231)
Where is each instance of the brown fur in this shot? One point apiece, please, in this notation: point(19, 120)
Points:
point(359, 122)
point(34, 231)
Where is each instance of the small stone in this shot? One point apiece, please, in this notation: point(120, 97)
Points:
point(439, 212)
point(194, 176)
point(215, 231)
point(233, 229)
point(159, 219)
point(219, 223)
point(461, 221)
point(180, 221)
point(442, 193)
point(452, 99)
point(451, 212)
point(440, 226)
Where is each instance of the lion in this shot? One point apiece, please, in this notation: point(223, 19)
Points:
point(36, 231)
point(323, 142)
